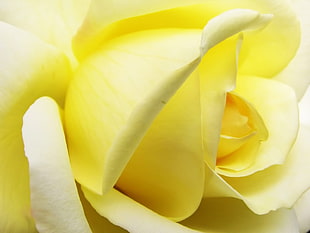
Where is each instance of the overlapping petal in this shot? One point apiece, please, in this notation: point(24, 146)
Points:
point(29, 68)
point(55, 203)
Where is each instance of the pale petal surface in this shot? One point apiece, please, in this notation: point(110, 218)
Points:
point(29, 68)
point(55, 202)
point(54, 21)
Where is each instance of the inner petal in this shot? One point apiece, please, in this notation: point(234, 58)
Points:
point(241, 125)
point(166, 171)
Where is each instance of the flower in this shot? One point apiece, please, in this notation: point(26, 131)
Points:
point(180, 115)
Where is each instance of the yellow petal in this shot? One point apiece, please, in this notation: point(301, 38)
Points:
point(166, 172)
point(263, 52)
point(55, 202)
point(277, 106)
point(116, 95)
point(119, 91)
point(231, 215)
point(55, 22)
point(280, 185)
point(29, 68)
point(130, 215)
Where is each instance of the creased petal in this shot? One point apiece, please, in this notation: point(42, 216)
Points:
point(54, 21)
point(130, 215)
point(296, 74)
point(29, 68)
point(54, 198)
point(233, 216)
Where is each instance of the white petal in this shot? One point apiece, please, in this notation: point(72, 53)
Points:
point(55, 202)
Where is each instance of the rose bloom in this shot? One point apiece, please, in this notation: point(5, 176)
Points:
point(154, 116)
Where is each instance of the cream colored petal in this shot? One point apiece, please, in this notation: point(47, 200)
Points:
point(231, 215)
point(119, 91)
point(296, 74)
point(277, 105)
point(302, 211)
point(55, 203)
point(280, 185)
point(130, 215)
point(29, 68)
point(54, 21)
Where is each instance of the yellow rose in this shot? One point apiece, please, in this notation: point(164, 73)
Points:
point(175, 116)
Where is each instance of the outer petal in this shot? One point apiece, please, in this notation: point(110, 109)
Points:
point(29, 68)
point(296, 74)
point(54, 198)
point(130, 215)
point(54, 21)
point(231, 215)
point(263, 53)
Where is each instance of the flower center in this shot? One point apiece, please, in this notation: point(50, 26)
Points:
point(241, 125)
